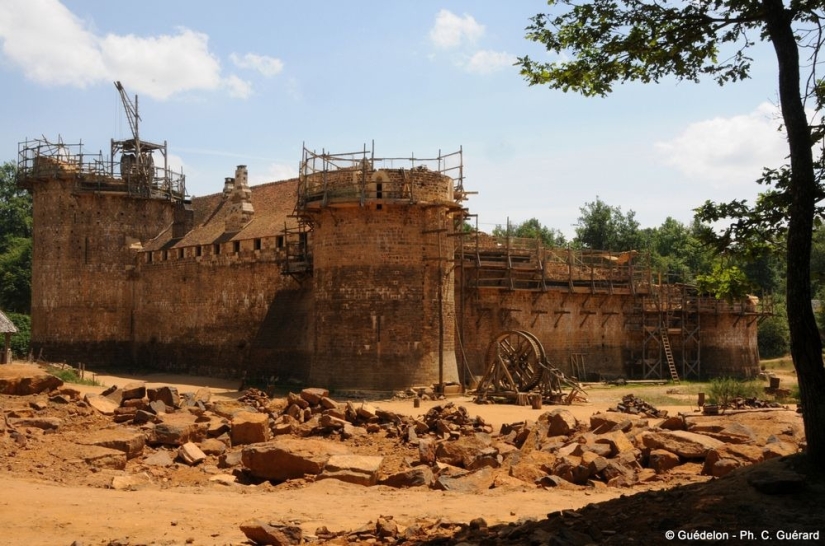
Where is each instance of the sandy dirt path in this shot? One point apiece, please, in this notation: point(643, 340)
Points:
point(46, 513)
point(34, 513)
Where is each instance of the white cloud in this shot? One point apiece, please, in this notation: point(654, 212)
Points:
point(728, 151)
point(238, 88)
point(487, 62)
point(450, 30)
point(268, 66)
point(36, 36)
point(54, 47)
point(163, 65)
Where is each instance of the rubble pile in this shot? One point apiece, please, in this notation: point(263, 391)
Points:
point(634, 405)
point(146, 432)
point(752, 403)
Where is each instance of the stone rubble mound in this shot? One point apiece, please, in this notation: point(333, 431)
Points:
point(634, 405)
point(308, 436)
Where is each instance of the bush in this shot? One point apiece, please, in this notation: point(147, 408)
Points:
point(724, 390)
point(774, 337)
point(22, 339)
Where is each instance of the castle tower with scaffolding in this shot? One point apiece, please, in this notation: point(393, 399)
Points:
point(382, 272)
point(89, 222)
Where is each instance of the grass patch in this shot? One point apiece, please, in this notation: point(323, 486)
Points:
point(69, 375)
point(783, 364)
point(724, 390)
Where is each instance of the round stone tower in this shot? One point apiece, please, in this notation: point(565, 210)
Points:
point(382, 271)
point(87, 224)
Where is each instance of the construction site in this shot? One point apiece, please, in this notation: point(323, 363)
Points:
point(364, 272)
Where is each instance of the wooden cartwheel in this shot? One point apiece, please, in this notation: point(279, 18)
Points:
point(517, 368)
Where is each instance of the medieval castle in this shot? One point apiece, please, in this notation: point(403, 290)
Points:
point(359, 274)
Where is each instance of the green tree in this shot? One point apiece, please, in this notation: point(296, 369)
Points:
point(602, 227)
point(774, 338)
point(15, 206)
point(533, 229)
point(610, 41)
point(677, 252)
point(15, 243)
point(725, 282)
point(21, 340)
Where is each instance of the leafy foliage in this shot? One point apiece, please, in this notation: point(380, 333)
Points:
point(774, 337)
point(637, 40)
point(21, 340)
point(676, 252)
point(15, 243)
point(724, 390)
point(724, 282)
point(15, 206)
point(533, 229)
point(603, 227)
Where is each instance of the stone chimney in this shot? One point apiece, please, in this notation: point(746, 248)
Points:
point(228, 186)
point(240, 205)
point(184, 219)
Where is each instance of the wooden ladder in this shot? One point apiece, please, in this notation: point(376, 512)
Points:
point(671, 364)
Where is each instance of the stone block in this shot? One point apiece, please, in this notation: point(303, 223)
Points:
point(477, 481)
point(355, 469)
point(176, 429)
point(462, 452)
point(286, 458)
point(191, 454)
point(260, 532)
point(250, 428)
point(560, 422)
point(661, 460)
point(687, 445)
point(134, 390)
point(166, 394)
point(415, 477)
point(602, 423)
point(212, 446)
point(103, 457)
point(618, 442)
point(101, 403)
point(314, 395)
point(130, 442)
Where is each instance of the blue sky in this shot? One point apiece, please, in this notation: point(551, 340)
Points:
point(248, 82)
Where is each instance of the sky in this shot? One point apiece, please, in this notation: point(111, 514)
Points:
point(252, 82)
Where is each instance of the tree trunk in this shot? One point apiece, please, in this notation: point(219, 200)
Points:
point(806, 346)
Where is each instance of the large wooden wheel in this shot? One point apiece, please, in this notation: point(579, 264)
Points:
point(518, 358)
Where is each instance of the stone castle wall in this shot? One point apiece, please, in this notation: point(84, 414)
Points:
point(604, 328)
point(120, 280)
point(83, 269)
point(377, 273)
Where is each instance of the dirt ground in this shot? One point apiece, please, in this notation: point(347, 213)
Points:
point(51, 498)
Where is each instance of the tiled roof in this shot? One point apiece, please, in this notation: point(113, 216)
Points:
point(273, 203)
point(6, 325)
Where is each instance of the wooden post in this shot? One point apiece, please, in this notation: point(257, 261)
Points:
point(701, 401)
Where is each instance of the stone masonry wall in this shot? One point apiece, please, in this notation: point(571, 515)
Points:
point(375, 283)
point(600, 326)
point(729, 346)
point(565, 323)
point(83, 270)
point(229, 314)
